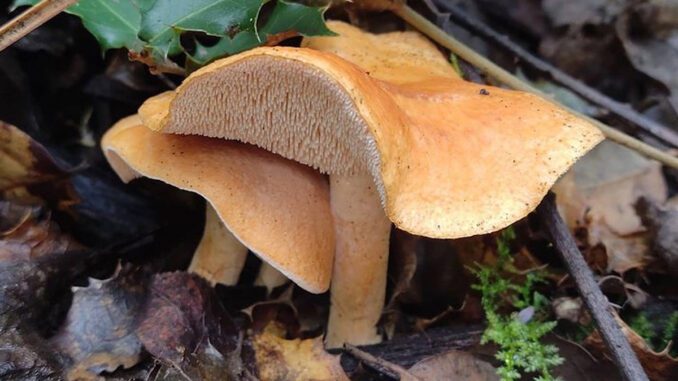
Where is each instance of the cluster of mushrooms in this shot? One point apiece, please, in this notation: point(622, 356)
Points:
point(306, 156)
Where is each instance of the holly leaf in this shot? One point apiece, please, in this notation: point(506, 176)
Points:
point(114, 23)
point(151, 29)
point(294, 17)
point(163, 23)
point(202, 55)
point(286, 20)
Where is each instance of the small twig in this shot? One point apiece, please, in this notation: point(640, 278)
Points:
point(432, 31)
point(156, 67)
point(622, 110)
point(30, 19)
point(597, 303)
point(388, 369)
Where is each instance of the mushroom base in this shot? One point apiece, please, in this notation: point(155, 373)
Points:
point(219, 257)
point(270, 277)
point(361, 260)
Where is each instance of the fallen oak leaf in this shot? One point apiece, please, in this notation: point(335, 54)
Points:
point(29, 236)
point(26, 166)
point(278, 359)
point(450, 365)
point(454, 365)
point(99, 332)
point(34, 256)
point(599, 193)
point(184, 326)
point(648, 33)
point(662, 222)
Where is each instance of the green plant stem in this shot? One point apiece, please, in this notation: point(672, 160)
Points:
point(30, 19)
point(457, 47)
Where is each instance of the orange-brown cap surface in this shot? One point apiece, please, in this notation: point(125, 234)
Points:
point(279, 209)
point(450, 158)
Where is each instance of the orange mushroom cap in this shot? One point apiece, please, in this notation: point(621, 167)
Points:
point(279, 209)
point(450, 158)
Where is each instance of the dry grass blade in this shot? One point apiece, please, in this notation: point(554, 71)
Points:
point(388, 369)
point(431, 30)
point(30, 20)
point(622, 110)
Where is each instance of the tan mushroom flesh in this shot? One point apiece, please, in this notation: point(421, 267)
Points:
point(397, 131)
point(277, 208)
point(269, 277)
point(220, 256)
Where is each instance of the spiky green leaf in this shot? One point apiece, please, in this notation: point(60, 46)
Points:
point(114, 23)
point(153, 28)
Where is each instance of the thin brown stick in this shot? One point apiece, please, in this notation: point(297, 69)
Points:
point(597, 303)
point(30, 20)
point(387, 368)
point(432, 31)
point(620, 109)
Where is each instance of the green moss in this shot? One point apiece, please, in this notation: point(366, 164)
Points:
point(518, 333)
point(668, 327)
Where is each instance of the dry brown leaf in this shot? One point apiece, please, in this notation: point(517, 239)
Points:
point(571, 309)
point(25, 165)
point(184, 326)
point(658, 365)
point(600, 191)
point(649, 33)
point(578, 12)
point(662, 222)
point(278, 359)
point(453, 365)
point(98, 335)
point(27, 236)
point(34, 258)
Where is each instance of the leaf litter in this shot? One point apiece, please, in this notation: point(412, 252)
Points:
point(631, 236)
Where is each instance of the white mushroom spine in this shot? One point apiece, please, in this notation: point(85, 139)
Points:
point(270, 277)
point(361, 261)
point(219, 257)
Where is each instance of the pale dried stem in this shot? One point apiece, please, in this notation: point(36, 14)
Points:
point(30, 20)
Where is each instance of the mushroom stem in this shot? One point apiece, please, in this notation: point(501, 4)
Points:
point(219, 257)
point(359, 277)
point(270, 277)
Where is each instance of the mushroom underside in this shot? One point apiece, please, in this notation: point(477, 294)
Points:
point(276, 208)
point(443, 154)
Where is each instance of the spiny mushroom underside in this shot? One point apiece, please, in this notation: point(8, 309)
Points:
point(450, 158)
point(277, 208)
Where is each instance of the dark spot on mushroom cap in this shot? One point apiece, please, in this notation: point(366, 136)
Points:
point(484, 92)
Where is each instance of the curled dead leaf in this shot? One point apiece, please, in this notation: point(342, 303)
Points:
point(662, 222)
point(599, 193)
point(649, 31)
point(184, 326)
point(454, 365)
point(27, 234)
point(660, 366)
point(99, 333)
point(26, 169)
point(571, 309)
point(278, 359)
